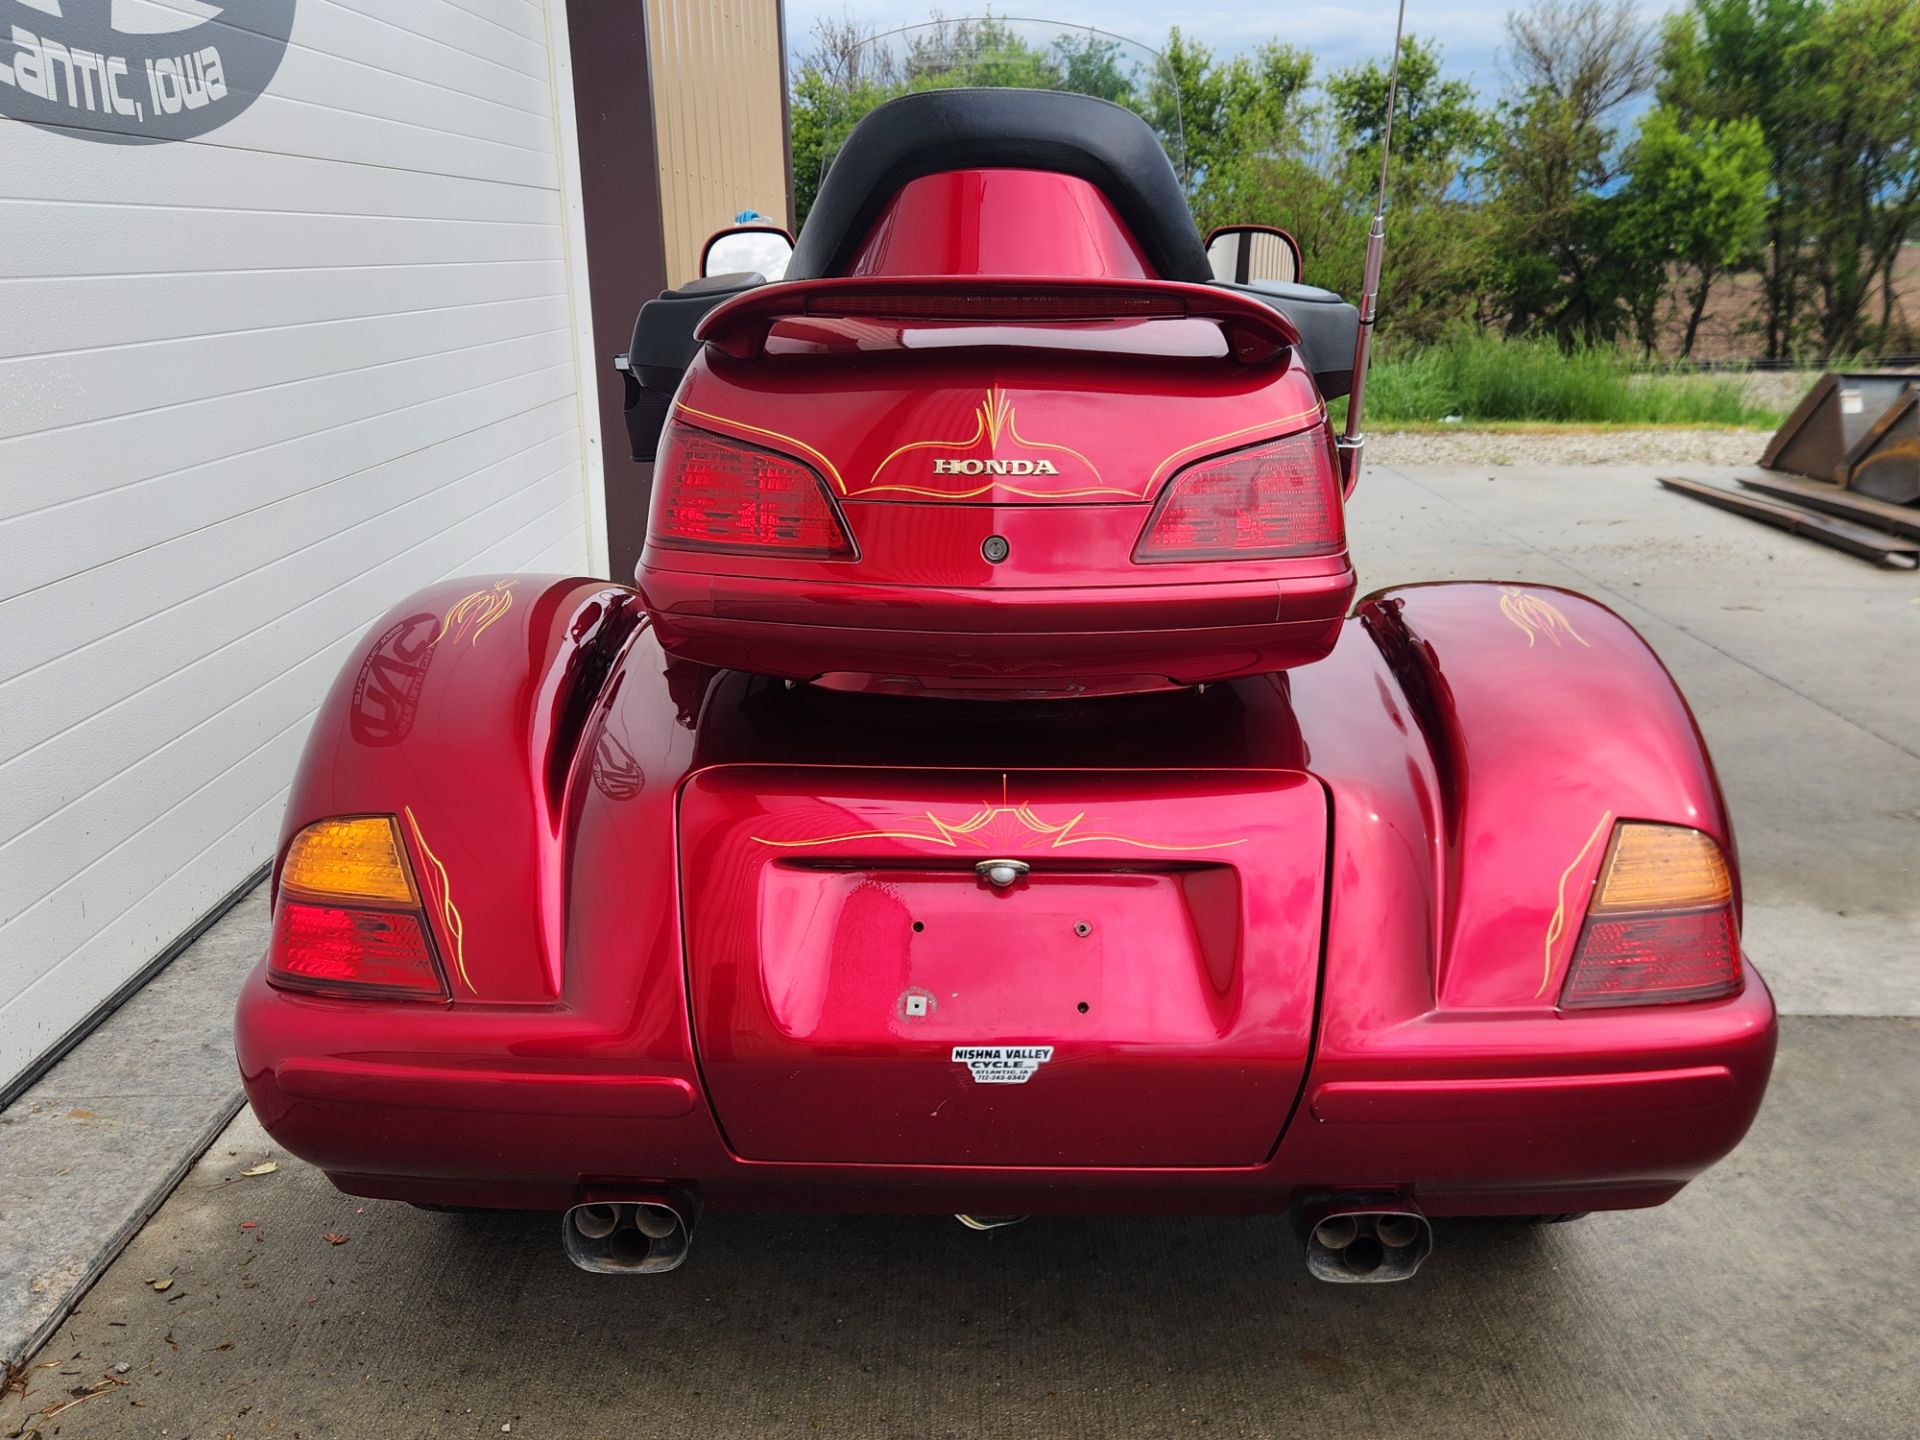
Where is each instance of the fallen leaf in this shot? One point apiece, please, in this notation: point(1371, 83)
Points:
point(332, 1238)
point(166, 1284)
point(265, 1167)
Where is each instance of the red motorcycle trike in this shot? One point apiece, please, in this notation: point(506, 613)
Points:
point(990, 797)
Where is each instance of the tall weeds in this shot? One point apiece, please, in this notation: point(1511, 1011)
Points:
point(1482, 377)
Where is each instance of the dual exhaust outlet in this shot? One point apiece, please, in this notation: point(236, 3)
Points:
point(628, 1237)
point(1345, 1244)
point(1354, 1246)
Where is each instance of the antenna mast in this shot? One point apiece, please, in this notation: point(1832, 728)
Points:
point(1352, 442)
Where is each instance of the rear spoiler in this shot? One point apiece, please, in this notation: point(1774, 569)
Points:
point(1254, 333)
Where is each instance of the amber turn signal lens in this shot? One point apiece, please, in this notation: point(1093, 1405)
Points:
point(357, 859)
point(1662, 867)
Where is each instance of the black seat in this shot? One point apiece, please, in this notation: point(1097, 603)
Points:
point(937, 130)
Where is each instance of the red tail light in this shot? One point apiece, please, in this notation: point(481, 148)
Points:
point(1276, 499)
point(339, 951)
point(712, 493)
point(1660, 928)
point(347, 920)
point(1654, 960)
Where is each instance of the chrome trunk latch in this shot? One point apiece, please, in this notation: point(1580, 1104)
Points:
point(1001, 873)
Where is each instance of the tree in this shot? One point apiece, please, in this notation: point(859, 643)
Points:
point(1695, 200)
point(1229, 115)
point(1862, 115)
point(1437, 252)
point(839, 79)
point(1435, 122)
point(1575, 62)
point(1738, 59)
point(849, 70)
point(1835, 88)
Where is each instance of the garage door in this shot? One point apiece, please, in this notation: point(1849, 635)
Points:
point(286, 330)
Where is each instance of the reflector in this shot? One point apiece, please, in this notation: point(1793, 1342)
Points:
point(1654, 960)
point(352, 859)
point(332, 950)
point(1279, 498)
point(712, 493)
point(1662, 867)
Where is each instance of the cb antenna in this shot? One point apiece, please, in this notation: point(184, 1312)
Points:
point(1353, 441)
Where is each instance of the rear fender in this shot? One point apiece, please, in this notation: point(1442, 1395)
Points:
point(1547, 720)
point(464, 714)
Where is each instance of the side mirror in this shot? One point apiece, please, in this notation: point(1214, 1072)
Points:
point(747, 250)
point(1244, 253)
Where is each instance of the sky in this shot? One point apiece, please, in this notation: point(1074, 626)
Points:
point(1337, 35)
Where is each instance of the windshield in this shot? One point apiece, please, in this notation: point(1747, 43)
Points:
point(841, 83)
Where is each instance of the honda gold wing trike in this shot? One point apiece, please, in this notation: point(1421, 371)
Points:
point(990, 797)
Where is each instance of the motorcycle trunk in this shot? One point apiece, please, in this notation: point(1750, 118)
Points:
point(1001, 459)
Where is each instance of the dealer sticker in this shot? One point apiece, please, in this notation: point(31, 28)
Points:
point(1002, 1064)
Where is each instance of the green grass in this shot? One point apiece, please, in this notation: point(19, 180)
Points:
point(1486, 379)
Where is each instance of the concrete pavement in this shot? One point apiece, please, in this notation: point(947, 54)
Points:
point(93, 1148)
point(1778, 1296)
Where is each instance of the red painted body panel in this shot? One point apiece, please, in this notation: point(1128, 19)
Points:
point(1436, 1070)
point(1001, 222)
point(709, 929)
point(1169, 959)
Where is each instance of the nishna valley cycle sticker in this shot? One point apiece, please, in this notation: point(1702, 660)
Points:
point(127, 71)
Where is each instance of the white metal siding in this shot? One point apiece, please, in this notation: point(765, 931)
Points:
point(255, 387)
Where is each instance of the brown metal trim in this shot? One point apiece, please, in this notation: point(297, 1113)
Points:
point(1879, 427)
point(626, 244)
point(1881, 514)
point(1791, 425)
point(1881, 549)
point(1891, 474)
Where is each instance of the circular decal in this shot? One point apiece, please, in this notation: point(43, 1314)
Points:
point(126, 71)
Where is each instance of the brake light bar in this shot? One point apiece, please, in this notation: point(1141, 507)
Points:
point(1009, 305)
point(1254, 332)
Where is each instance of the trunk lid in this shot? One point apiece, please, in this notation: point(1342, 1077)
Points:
point(1143, 995)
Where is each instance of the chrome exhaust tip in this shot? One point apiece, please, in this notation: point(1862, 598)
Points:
point(1367, 1247)
point(631, 1237)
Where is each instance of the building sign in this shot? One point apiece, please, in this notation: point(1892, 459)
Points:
point(124, 71)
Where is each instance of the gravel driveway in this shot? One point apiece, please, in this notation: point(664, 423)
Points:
point(1598, 447)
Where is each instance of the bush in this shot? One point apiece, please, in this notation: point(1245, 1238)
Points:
point(1483, 377)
